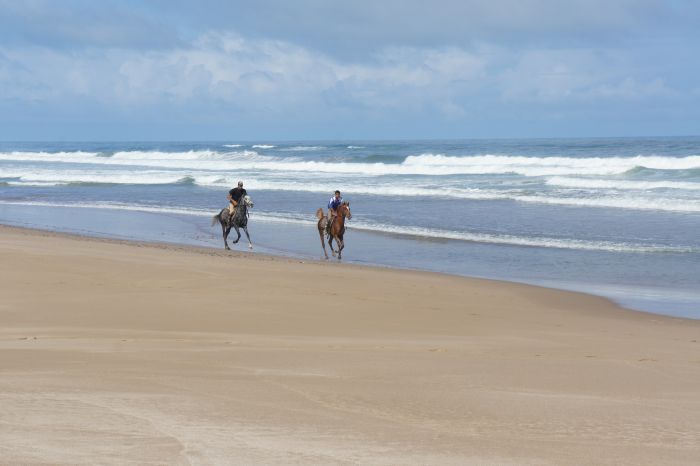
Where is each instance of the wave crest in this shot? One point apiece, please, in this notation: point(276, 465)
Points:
point(594, 183)
point(423, 164)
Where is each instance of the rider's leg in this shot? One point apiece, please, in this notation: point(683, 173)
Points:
point(231, 207)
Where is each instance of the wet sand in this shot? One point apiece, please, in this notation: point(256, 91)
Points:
point(130, 353)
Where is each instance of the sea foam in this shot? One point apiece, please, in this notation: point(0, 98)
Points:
point(424, 164)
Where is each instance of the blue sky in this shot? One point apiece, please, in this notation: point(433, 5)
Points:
point(315, 69)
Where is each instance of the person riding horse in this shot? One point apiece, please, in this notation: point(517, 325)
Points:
point(333, 225)
point(234, 196)
point(335, 201)
point(235, 215)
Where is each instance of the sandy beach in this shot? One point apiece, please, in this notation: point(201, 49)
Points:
point(127, 353)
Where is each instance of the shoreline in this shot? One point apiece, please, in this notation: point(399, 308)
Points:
point(291, 257)
point(117, 352)
point(264, 256)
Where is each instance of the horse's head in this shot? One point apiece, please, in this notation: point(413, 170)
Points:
point(247, 201)
point(344, 210)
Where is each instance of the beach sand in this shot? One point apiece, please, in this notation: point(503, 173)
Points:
point(125, 353)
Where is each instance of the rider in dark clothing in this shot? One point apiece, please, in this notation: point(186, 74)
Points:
point(235, 196)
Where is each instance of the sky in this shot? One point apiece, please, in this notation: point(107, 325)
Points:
point(113, 70)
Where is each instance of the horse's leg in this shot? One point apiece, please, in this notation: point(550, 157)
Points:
point(330, 244)
point(245, 229)
point(235, 227)
point(341, 245)
point(225, 231)
point(323, 243)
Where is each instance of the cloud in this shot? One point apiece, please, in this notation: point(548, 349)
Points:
point(262, 76)
point(343, 29)
point(356, 29)
point(391, 64)
point(250, 74)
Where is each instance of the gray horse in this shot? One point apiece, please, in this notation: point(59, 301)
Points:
point(239, 219)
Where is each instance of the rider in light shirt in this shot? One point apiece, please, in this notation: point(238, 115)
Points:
point(333, 205)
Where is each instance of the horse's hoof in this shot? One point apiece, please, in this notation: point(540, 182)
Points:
point(227, 248)
point(250, 246)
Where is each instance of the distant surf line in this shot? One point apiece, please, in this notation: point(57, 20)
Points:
point(614, 200)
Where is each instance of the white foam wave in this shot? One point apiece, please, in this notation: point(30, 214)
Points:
point(117, 206)
point(544, 242)
point(69, 157)
point(140, 157)
point(233, 145)
point(630, 200)
point(435, 233)
point(263, 146)
point(191, 160)
point(590, 183)
point(47, 177)
point(627, 202)
point(425, 164)
point(33, 183)
point(410, 231)
point(356, 147)
point(302, 148)
point(541, 166)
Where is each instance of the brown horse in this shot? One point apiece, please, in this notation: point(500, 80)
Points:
point(336, 229)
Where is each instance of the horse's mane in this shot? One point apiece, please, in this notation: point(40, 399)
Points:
point(240, 209)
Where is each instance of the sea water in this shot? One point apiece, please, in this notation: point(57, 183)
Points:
point(615, 217)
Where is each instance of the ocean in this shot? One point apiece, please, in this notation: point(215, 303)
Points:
point(615, 217)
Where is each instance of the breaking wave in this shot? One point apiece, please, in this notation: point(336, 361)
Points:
point(662, 184)
point(302, 148)
point(591, 183)
point(633, 200)
point(424, 164)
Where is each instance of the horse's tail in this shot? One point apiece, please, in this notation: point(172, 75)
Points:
point(319, 213)
point(215, 218)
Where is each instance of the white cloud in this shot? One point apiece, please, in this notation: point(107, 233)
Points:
point(357, 28)
point(226, 73)
point(247, 73)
